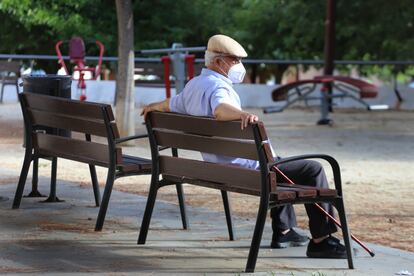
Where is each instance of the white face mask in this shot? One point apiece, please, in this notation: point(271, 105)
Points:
point(236, 73)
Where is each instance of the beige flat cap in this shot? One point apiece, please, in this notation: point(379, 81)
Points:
point(225, 45)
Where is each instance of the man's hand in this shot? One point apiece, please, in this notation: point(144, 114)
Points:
point(247, 118)
point(163, 106)
point(147, 109)
point(226, 112)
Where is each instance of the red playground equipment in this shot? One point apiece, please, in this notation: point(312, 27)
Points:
point(77, 56)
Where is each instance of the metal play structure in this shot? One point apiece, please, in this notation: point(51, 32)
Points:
point(182, 64)
point(347, 87)
point(77, 54)
point(341, 87)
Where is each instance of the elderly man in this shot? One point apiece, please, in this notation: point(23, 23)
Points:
point(211, 94)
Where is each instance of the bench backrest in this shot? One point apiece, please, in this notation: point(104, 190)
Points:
point(150, 74)
point(10, 67)
point(216, 137)
point(41, 111)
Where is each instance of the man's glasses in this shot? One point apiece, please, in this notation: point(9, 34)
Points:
point(232, 59)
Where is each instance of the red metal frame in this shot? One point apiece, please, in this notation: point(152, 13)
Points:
point(167, 61)
point(189, 60)
point(79, 62)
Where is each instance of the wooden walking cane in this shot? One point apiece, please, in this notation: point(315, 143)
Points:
point(370, 252)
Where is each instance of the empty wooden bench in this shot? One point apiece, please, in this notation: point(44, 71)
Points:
point(91, 120)
point(226, 138)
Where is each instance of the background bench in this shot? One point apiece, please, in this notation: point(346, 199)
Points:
point(9, 75)
point(86, 121)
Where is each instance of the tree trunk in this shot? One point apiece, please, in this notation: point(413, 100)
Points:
point(125, 97)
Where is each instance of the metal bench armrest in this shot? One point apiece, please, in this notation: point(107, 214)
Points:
point(163, 148)
point(332, 161)
point(128, 138)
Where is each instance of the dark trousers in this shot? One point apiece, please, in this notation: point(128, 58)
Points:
point(309, 173)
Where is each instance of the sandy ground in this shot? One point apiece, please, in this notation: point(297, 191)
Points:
point(375, 151)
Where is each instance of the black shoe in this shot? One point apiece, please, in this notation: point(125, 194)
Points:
point(328, 248)
point(290, 239)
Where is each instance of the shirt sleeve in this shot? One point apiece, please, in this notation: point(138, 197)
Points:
point(177, 104)
point(218, 97)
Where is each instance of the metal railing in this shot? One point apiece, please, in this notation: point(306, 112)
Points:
point(200, 60)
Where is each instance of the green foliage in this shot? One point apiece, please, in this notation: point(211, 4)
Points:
point(35, 26)
point(159, 23)
point(276, 29)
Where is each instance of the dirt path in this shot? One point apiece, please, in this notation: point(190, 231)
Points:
point(375, 150)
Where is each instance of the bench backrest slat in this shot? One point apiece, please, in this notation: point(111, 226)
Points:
point(150, 69)
point(10, 66)
point(215, 145)
point(69, 114)
point(73, 149)
point(242, 179)
point(79, 124)
point(67, 107)
point(191, 124)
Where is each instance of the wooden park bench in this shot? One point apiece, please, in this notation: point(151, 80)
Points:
point(150, 74)
point(87, 119)
point(226, 138)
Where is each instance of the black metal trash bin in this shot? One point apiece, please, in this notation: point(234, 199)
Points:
point(51, 85)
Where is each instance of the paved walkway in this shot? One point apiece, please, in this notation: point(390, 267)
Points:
point(58, 238)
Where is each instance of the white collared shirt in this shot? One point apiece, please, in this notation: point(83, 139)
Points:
point(200, 97)
point(204, 93)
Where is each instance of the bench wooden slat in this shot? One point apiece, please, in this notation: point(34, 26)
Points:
point(78, 124)
point(67, 107)
point(282, 195)
point(191, 124)
point(224, 176)
point(323, 192)
point(149, 69)
point(208, 184)
point(76, 150)
point(10, 66)
point(214, 145)
point(300, 193)
point(135, 164)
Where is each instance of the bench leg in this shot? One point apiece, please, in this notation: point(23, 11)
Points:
point(257, 235)
point(17, 89)
point(180, 194)
point(94, 178)
point(345, 231)
point(52, 195)
point(35, 180)
point(22, 181)
point(105, 200)
point(2, 91)
point(148, 213)
point(95, 185)
point(227, 211)
point(35, 176)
